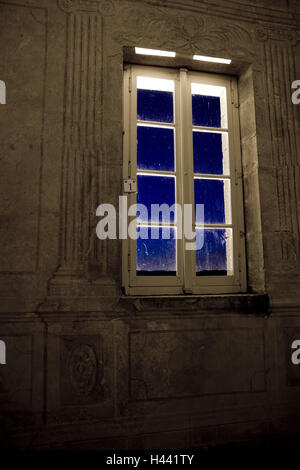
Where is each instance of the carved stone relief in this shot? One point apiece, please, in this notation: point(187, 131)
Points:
point(81, 369)
point(181, 30)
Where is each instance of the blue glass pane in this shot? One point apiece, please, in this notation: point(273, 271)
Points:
point(206, 111)
point(211, 194)
point(156, 256)
point(153, 105)
point(156, 190)
point(211, 259)
point(208, 153)
point(155, 148)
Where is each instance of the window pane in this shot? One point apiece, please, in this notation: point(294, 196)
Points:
point(210, 153)
point(215, 257)
point(156, 190)
point(209, 107)
point(155, 105)
point(156, 255)
point(155, 148)
point(206, 111)
point(215, 195)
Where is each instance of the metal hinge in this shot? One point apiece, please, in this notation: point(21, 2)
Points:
point(128, 260)
point(129, 169)
point(130, 83)
point(240, 267)
point(237, 176)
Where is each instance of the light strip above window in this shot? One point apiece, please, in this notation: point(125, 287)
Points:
point(142, 50)
point(218, 60)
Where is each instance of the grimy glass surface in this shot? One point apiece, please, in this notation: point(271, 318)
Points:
point(210, 192)
point(156, 255)
point(206, 111)
point(209, 155)
point(213, 259)
point(155, 190)
point(155, 105)
point(155, 148)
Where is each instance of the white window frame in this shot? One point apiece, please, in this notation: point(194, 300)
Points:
point(186, 281)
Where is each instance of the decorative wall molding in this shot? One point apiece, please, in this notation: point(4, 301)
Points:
point(82, 167)
point(283, 122)
point(164, 373)
point(229, 9)
point(82, 146)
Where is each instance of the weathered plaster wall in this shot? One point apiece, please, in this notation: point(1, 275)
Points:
point(86, 367)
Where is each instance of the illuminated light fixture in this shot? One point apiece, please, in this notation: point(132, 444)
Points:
point(141, 50)
point(204, 58)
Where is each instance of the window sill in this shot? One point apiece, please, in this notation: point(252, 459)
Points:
point(254, 304)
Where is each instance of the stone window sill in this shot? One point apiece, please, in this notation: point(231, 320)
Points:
point(255, 304)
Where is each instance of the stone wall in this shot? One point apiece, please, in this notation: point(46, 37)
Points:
point(87, 367)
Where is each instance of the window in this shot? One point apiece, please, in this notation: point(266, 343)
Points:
point(182, 145)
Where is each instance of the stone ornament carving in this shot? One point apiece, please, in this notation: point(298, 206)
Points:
point(67, 5)
point(184, 32)
point(231, 40)
point(105, 7)
point(285, 36)
point(166, 28)
point(83, 368)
